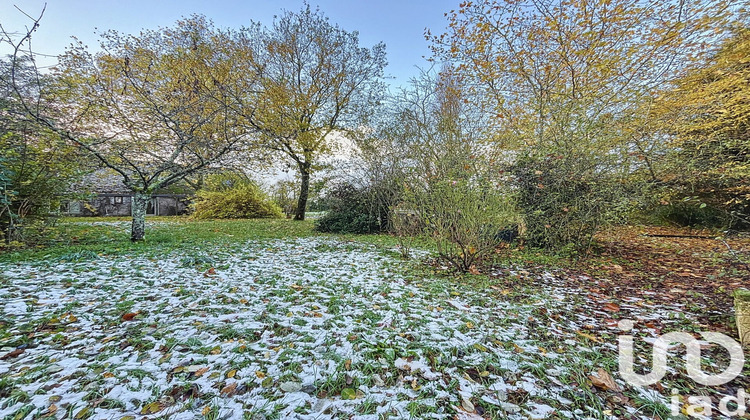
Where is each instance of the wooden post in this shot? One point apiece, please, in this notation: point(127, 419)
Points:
point(742, 311)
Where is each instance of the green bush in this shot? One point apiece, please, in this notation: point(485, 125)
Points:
point(36, 172)
point(565, 200)
point(690, 212)
point(464, 218)
point(354, 210)
point(360, 210)
point(232, 196)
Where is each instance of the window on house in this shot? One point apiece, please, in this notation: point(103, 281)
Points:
point(118, 200)
point(74, 207)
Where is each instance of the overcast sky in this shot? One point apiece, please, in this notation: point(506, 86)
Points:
point(400, 24)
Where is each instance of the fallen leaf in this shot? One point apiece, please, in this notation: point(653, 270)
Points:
point(611, 307)
point(604, 380)
point(348, 394)
point(229, 389)
point(152, 408)
point(129, 316)
point(200, 372)
point(11, 354)
point(231, 373)
point(467, 405)
point(589, 336)
point(83, 414)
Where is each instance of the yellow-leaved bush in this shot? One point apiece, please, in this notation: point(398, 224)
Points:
point(233, 196)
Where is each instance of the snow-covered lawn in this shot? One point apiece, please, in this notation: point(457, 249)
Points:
point(300, 328)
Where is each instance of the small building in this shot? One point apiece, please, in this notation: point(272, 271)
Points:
point(109, 197)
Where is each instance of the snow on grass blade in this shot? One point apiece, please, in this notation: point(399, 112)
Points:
point(306, 328)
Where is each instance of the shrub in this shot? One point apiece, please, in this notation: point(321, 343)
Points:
point(565, 200)
point(232, 196)
point(35, 174)
point(690, 212)
point(464, 219)
point(355, 210)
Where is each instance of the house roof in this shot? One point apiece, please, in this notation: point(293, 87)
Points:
point(103, 181)
point(107, 181)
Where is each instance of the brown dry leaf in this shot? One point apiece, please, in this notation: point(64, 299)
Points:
point(210, 272)
point(200, 372)
point(14, 353)
point(611, 307)
point(52, 409)
point(260, 374)
point(108, 375)
point(473, 270)
point(604, 381)
point(348, 364)
point(229, 389)
point(129, 316)
point(206, 410)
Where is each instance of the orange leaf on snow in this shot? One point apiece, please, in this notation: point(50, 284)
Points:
point(129, 316)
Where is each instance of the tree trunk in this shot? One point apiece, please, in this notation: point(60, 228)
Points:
point(138, 210)
point(304, 170)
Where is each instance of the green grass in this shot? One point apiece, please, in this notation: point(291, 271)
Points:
point(84, 238)
point(81, 238)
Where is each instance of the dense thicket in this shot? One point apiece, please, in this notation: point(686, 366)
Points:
point(36, 166)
